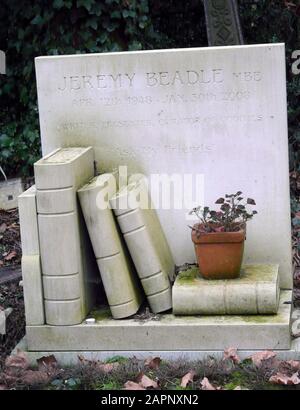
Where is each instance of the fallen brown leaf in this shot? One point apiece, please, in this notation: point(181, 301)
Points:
point(153, 362)
point(107, 367)
point(32, 377)
point(260, 357)
point(18, 360)
point(146, 382)
point(132, 386)
point(187, 378)
point(231, 354)
point(280, 378)
point(206, 385)
point(46, 362)
point(10, 256)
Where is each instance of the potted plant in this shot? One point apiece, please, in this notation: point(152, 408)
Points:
point(219, 236)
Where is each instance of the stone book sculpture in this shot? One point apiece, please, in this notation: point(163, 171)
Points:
point(256, 291)
point(31, 263)
point(66, 274)
point(147, 245)
point(119, 280)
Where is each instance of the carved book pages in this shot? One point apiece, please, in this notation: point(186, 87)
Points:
point(118, 277)
point(31, 264)
point(255, 292)
point(67, 272)
point(147, 245)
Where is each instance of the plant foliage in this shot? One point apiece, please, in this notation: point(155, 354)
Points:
point(231, 217)
point(30, 28)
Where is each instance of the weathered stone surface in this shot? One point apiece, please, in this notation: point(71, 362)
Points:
point(9, 192)
point(66, 259)
point(33, 290)
point(62, 287)
point(69, 168)
point(56, 201)
point(222, 23)
point(31, 263)
point(63, 312)
point(28, 222)
point(119, 279)
point(147, 246)
point(169, 333)
point(219, 113)
point(256, 291)
point(59, 242)
point(68, 358)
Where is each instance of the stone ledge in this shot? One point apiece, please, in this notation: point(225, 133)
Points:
point(67, 358)
point(170, 333)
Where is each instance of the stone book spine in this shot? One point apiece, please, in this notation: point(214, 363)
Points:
point(31, 263)
point(118, 277)
point(147, 246)
point(58, 176)
point(255, 292)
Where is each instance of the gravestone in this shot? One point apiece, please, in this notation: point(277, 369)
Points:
point(219, 113)
point(222, 22)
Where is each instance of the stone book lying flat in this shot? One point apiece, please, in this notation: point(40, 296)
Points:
point(256, 291)
point(118, 276)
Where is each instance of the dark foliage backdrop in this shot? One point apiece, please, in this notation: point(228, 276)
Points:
point(29, 28)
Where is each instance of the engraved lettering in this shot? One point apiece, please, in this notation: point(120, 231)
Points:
point(163, 78)
point(101, 81)
point(151, 79)
point(190, 74)
point(65, 85)
point(87, 81)
point(74, 82)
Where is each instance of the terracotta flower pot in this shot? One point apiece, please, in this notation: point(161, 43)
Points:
point(219, 254)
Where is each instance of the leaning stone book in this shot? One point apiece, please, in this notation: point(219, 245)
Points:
point(146, 243)
point(118, 277)
point(256, 292)
point(66, 255)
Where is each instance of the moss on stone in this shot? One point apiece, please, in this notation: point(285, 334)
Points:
point(187, 276)
point(99, 314)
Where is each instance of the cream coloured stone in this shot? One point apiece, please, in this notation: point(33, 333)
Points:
point(33, 290)
point(62, 287)
point(59, 242)
point(28, 222)
point(170, 333)
point(70, 167)
point(70, 358)
point(118, 278)
point(56, 201)
point(9, 192)
point(256, 291)
point(63, 312)
point(216, 112)
point(66, 256)
point(146, 243)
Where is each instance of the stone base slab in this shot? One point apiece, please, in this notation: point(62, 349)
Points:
point(183, 333)
point(68, 358)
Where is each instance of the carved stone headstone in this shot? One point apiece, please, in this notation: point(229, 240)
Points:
point(216, 113)
point(222, 23)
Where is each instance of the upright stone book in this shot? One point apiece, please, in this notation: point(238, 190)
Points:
point(67, 269)
point(31, 261)
point(255, 292)
point(146, 243)
point(119, 280)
